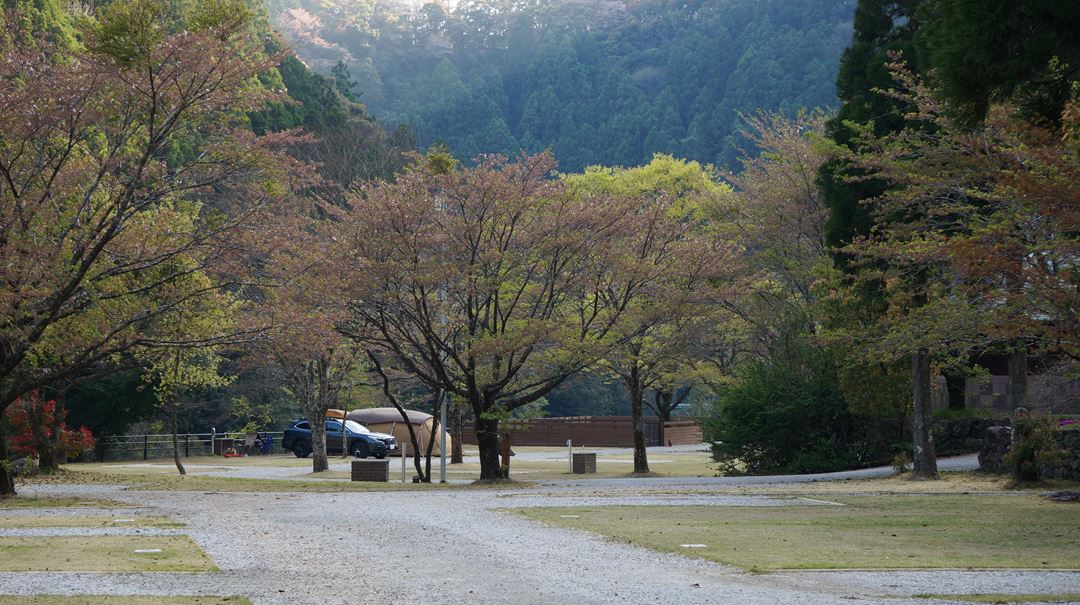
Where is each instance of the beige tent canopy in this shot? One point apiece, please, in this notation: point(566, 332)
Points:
point(388, 420)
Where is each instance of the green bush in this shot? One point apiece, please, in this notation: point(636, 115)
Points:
point(789, 416)
point(1034, 445)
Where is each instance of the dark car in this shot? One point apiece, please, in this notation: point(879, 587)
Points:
point(362, 442)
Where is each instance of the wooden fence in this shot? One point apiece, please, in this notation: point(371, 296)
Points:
point(594, 431)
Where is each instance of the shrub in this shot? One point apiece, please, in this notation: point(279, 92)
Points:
point(788, 416)
point(901, 463)
point(30, 413)
point(1034, 446)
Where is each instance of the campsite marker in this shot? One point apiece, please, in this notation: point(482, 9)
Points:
point(570, 447)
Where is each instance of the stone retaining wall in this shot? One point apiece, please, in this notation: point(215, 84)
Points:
point(963, 435)
point(998, 439)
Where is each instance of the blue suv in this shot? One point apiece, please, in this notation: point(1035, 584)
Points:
point(361, 442)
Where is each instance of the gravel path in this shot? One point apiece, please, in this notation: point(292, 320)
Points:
point(458, 547)
point(452, 547)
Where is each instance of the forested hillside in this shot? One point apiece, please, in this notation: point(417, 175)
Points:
point(606, 82)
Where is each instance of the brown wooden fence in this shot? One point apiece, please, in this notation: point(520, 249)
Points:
point(595, 431)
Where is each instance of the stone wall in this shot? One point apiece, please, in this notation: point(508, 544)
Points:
point(998, 439)
point(1069, 467)
point(1051, 393)
point(963, 435)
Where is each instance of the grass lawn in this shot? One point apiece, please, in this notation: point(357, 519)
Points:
point(159, 481)
point(552, 465)
point(869, 532)
point(103, 553)
point(124, 600)
point(1003, 599)
point(22, 521)
point(662, 464)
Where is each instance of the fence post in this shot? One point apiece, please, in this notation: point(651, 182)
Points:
point(187, 450)
point(144, 445)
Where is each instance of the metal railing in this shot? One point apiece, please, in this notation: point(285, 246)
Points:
point(119, 448)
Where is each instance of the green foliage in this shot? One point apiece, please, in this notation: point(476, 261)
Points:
point(594, 84)
point(107, 406)
point(986, 50)
point(880, 27)
point(588, 395)
point(130, 30)
point(218, 15)
point(1034, 445)
point(787, 416)
point(27, 23)
point(254, 417)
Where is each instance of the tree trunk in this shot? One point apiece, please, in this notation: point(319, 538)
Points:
point(7, 477)
point(175, 413)
point(925, 462)
point(175, 441)
point(487, 439)
point(954, 385)
point(39, 433)
point(1018, 371)
point(663, 405)
point(641, 460)
point(320, 368)
point(59, 414)
point(419, 455)
point(430, 446)
point(456, 454)
point(319, 463)
point(345, 438)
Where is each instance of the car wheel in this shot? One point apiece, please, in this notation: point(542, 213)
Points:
point(381, 454)
point(360, 450)
point(301, 449)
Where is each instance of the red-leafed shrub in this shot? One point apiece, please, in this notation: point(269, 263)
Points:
point(33, 420)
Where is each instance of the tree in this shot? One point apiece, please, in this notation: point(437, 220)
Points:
point(198, 326)
point(39, 428)
point(992, 211)
point(423, 471)
point(984, 51)
point(486, 282)
point(89, 173)
point(672, 264)
point(304, 308)
point(880, 27)
point(775, 210)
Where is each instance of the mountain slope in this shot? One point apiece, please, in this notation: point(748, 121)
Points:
point(600, 82)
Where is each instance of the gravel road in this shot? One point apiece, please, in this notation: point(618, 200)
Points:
point(462, 546)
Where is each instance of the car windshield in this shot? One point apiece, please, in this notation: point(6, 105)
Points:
point(356, 427)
